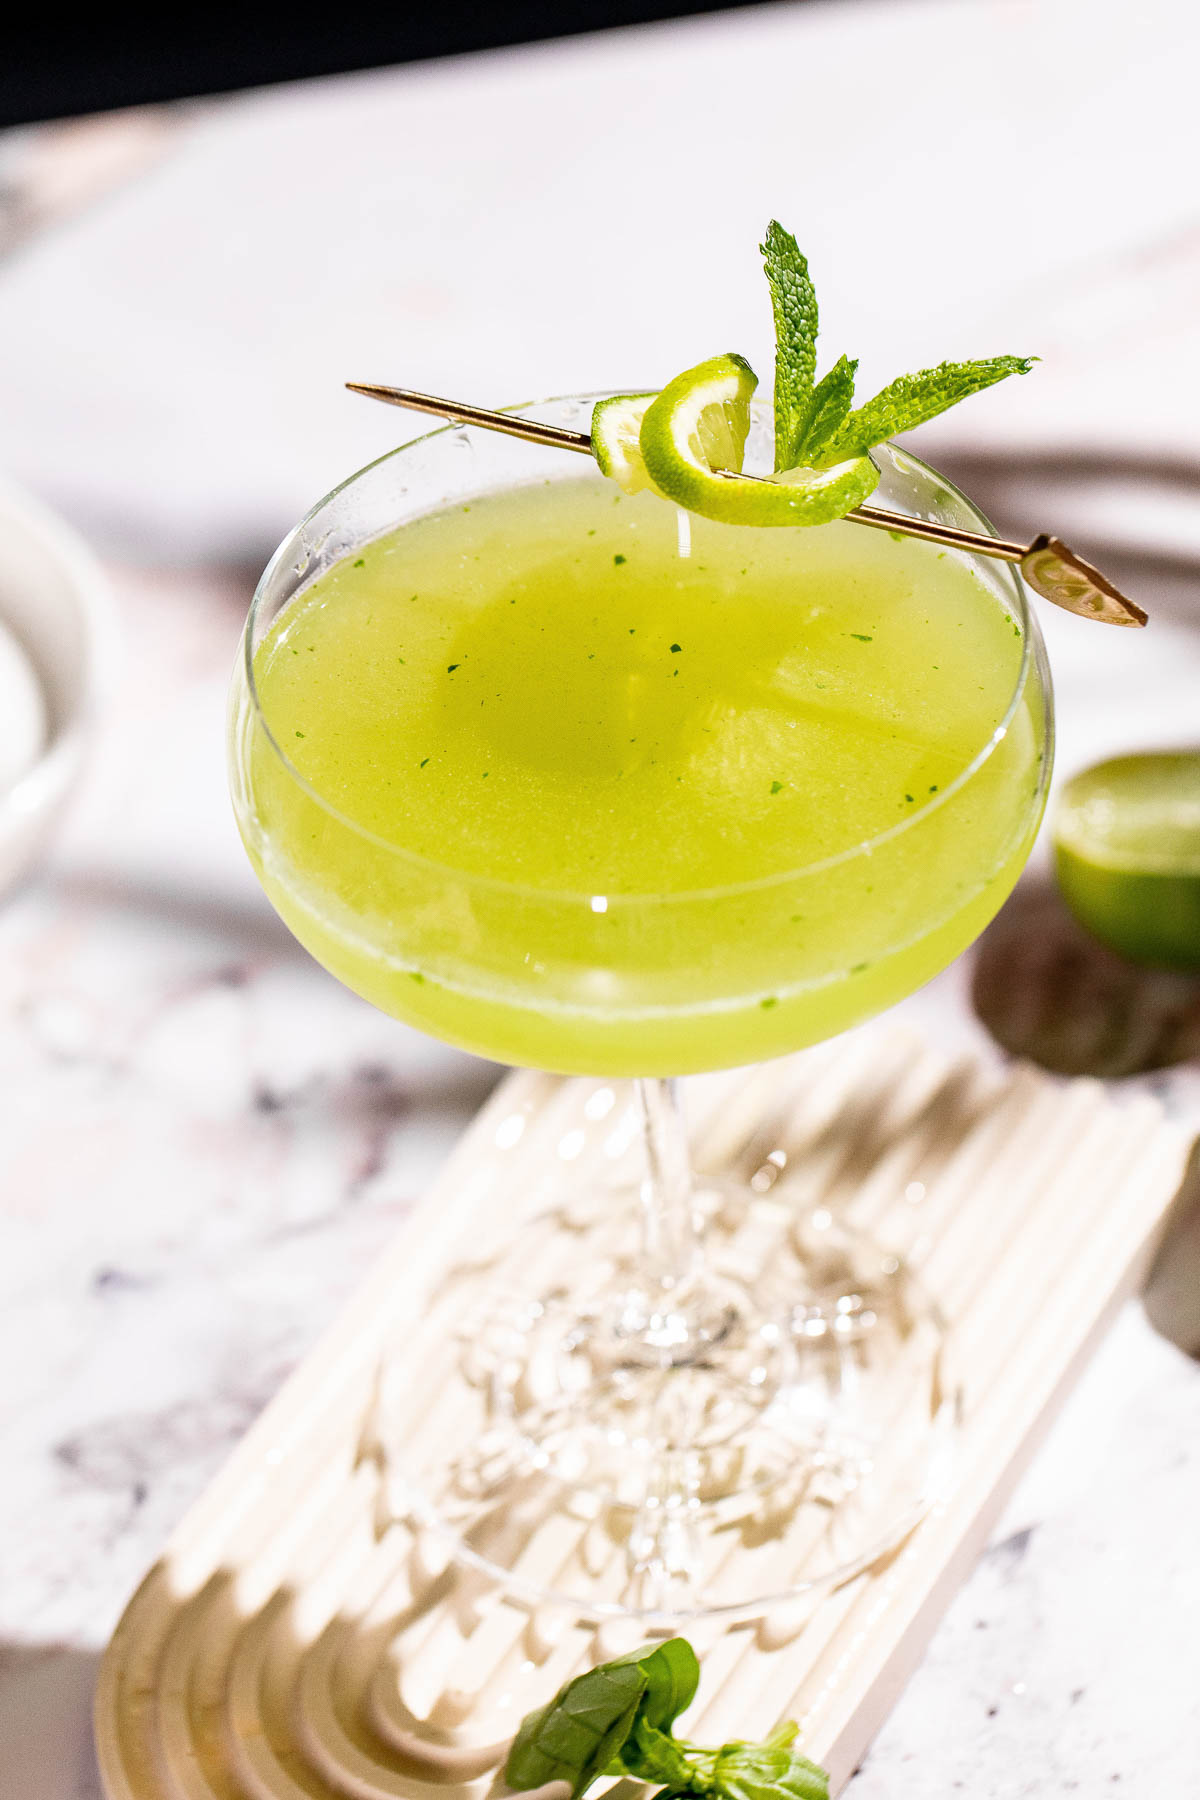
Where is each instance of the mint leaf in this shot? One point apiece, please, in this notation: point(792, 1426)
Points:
point(911, 399)
point(576, 1735)
point(795, 307)
point(830, 405)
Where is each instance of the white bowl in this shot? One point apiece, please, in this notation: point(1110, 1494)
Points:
point(54, 603)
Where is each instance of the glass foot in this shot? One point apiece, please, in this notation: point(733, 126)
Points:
point(757, 1434)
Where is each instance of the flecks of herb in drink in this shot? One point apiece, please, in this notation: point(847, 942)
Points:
point(770, 1001)
point(777, 787)
point(618, 559)
point(360, 562)
point(862, 637)
point(450, 668)
point(675, 649)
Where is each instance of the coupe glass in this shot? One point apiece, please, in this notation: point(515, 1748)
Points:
point(671, 1403)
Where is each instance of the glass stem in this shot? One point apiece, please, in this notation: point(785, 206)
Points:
point(670, 1246)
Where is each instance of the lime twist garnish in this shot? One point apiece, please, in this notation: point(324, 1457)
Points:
point(1127, 855)
point(688, 442)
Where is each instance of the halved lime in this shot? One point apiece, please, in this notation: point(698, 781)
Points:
point(1127, 855)
point(693, 438)
point(616, 428)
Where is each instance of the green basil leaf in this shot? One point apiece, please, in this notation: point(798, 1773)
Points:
point(576, 1736)
point(672, 1677)
point(655, 1756)
point(769, 1771)
point(616, 1720)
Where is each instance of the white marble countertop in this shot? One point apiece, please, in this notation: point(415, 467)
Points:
point(205, 1141)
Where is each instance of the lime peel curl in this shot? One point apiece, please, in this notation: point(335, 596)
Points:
point(690, 445)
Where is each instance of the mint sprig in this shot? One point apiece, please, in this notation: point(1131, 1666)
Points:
point(814, 426)
point(616, 1720)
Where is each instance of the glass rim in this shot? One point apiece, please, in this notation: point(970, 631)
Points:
point(1030, 644)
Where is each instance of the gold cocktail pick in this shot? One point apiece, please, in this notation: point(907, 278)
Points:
point(1052, 569)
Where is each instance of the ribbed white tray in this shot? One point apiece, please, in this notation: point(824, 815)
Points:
point(294, 1635)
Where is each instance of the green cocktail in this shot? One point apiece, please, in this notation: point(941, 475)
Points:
point(687, 810)
point(576, 780)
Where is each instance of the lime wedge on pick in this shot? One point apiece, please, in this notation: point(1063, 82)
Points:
point(616, 429)
point(697, 427)
point(1127, 855)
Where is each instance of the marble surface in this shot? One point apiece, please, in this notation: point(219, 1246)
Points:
point(204, 1140)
